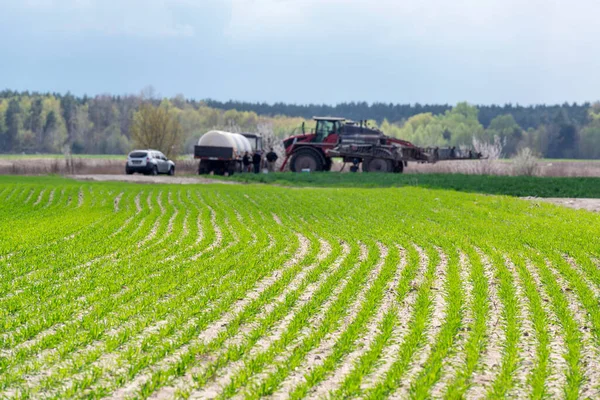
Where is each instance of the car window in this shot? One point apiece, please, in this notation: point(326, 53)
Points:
point(138, 154)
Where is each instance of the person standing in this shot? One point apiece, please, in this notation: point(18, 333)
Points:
point(246, 162)
point(256, 160)
point(271, 160)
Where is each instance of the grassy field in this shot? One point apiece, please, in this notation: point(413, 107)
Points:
point(505, 185)
point(217, 291)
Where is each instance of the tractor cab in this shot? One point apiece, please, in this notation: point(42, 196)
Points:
point(255, 141)
point(328, 129)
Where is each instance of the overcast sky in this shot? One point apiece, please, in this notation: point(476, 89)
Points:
point(307, 51)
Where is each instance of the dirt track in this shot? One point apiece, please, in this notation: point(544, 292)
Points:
point(150, 179)
point(578, 204)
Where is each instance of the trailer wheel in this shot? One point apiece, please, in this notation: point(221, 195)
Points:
point(202, 170)
point(399, 168)
point(306, 159)
point(376, 164)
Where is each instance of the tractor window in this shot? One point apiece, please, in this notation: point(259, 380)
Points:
point(324, 128)
point(338, 127)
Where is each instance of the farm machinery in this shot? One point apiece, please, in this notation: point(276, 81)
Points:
point(221, 152)
point(358, 143)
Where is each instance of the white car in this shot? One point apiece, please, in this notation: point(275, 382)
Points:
point(149, 162)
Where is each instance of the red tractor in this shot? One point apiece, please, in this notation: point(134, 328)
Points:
point(357, 143)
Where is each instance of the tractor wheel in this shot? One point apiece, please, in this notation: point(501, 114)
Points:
point(376, 164)
point(306, 159)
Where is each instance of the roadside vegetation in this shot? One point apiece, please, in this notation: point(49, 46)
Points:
point(196, 291)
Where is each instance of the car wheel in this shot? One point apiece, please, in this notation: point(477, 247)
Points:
point(128, 171)
point(172, 171)
point(154, 170)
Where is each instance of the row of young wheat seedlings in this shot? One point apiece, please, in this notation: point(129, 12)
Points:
point(378, 357)
point(532, 370)
point(232, 326)
point(30, 284)
point(561, 308)
point(443, 332)
point(136, 299)
point(557, 352)
point(279, 355)
point(129, 220)
point(21, 268)
point(170, 361)
point(15, 193)
point(505, 379)
point(452, 366)
point(295, 302)
point(337, 343)
point(364, 343)
point(171, 366)
point(53, 225)
point(150, 329)
point(439, 305)
point(348, 340)
point(262, 337)
point(59, 286)
point(153, 382)
point(70, 314)
point(38, 254)
point(584, 308)
point(141, 324)
point(30, 232)
point(390, 380)
point(247, 314)
point(486, 366)
point(49, 274)
point(272, 317)
point(191, 253)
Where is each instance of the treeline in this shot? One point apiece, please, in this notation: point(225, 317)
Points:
point(526, 117)
point(55, 123)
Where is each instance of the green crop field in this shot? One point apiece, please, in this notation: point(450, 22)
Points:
point(216, 291)
point(491, 184)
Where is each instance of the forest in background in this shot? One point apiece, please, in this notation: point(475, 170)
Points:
point(56, 123)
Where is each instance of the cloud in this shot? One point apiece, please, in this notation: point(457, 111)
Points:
point(387, 21)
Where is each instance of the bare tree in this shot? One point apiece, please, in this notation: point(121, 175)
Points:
point(149, 94)
point(157, 128)
point(491, 151)
point(525, 162)
point(270, 141)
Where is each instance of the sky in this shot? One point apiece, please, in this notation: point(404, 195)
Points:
point(307, 51)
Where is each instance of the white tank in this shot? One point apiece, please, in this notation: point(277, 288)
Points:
point(226, 139)
point(243, 144)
